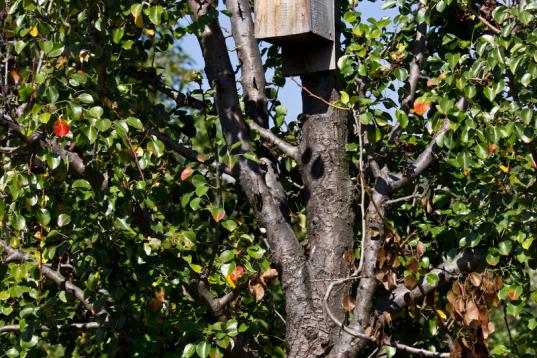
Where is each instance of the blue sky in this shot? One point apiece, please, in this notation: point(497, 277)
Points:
point(289, 95)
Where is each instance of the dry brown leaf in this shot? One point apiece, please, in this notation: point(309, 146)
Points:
point(472, 313)
point(258, 291)
point(392, 280)
point(411, 282)
point(348, 258)
point(475, 279)
point(348, 302)
point(381, 257)
point(420, 249)
point(268, 275)
point(412, 266)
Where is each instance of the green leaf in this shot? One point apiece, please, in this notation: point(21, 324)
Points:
point(230, 225)
point(122, 224)
point(135, 123)
point(157, 147)
point(91, 134)
point(43, 216)
point(96, 112)
point(344, 97)
point(155, 14)
point(19, 222)
point(81, 184)
point(63, 220)
point(117, 34)
point(136, 9)
point(188, 351)
point(489, 93)
point(470, 91)
point(52, 93)
point(103, 124)
point(19, 46)
point(203, 349)
point(505, 247)
point(86, 98)
point(432, 279)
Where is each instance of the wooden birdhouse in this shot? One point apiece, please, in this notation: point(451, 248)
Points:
point(305, 29)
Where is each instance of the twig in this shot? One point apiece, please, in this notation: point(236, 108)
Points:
point(286, 148)
point(355, 333)
point(511, 340)
point(319, 97)
point(488, 24)
point(414, 195)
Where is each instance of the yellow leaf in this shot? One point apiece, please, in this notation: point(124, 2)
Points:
point(230, 281)
point(441, 314)
point(34, 32)
point(139, 21)
point(504, 168)
point(150, 32)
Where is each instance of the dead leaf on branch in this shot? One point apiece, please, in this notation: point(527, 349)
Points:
point(268, 275)
point(257, 290)
point(348, 302)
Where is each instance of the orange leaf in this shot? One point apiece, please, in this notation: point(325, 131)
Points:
point(421, 107)
point(15, 76)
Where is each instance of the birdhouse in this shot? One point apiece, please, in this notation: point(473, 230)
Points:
point(305, 29)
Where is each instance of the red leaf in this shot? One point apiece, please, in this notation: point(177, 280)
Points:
point(186, 173)
point(61, 128)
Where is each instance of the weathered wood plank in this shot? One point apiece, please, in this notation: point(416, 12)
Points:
point(281, 21)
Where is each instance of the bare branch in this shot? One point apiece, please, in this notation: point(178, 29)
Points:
point(414, 195)
point(59, 327)
point(14, 255)
point(286, 148)
point(414, 74)
point(252, 73)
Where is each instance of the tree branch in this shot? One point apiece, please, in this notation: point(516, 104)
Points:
point(271, 138)
point(14, 255)
point(414, 74)
point(287, 251)
point(252, 73)
point(357, 334)
point(448, 271)
point(59, 327)
point(97, 179)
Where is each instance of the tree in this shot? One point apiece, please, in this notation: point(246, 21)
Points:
point(142, 216)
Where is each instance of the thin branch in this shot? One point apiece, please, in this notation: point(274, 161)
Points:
point(59, 327)
point(488, 24)
point(401, 297)
point(363, 188)
point(319, 97)
point(355, 333)
point(414, 74)
point(14, 255)
point(253, 80)
point(414, 195)
point(286, 148)
point(427, 156)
